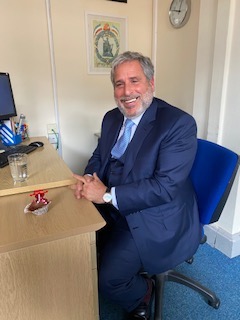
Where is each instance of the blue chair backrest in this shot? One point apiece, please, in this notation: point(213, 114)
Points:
point(212, 175)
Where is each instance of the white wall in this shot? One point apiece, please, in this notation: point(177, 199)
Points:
point(24, 53)
point(231, 114)
point(229, 130)
point(176, 57)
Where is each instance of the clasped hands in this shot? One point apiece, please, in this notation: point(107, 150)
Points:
point(89, 187)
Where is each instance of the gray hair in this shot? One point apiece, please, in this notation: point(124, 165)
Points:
point(145, 62)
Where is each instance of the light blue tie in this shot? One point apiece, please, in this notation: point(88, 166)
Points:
point(122, 143)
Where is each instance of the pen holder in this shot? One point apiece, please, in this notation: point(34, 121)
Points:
point(8, 137)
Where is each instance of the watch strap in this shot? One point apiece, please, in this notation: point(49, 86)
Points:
point(108, 190)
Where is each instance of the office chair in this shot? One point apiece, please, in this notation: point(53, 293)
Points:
point(212, 175)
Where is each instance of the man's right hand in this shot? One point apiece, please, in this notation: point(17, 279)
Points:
point(78, 186)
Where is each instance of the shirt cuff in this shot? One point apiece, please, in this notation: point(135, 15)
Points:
point(114, 199)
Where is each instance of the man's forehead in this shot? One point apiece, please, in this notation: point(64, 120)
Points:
point(128, 69)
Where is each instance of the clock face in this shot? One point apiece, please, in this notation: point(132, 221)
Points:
point(179, 12)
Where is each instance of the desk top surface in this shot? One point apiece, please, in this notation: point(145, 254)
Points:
point(66, 217)
point(46, 170)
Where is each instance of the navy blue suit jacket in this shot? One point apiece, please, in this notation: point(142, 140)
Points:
point(155, 193)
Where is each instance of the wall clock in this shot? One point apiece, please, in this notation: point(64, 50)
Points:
point(179, 12)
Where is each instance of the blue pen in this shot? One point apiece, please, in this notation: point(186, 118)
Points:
point(22, 117)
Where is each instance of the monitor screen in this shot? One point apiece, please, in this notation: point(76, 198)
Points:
point(7, 105)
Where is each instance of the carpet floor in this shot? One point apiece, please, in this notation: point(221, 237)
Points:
point(213, 270)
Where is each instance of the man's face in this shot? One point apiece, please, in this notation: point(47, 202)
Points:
point(133, 92)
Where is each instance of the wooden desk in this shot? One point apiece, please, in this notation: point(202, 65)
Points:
point(46, 170)
point(48, 263)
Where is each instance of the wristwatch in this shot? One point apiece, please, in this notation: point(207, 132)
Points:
point(107, 197)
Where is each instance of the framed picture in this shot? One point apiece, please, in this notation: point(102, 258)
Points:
point(106, 38)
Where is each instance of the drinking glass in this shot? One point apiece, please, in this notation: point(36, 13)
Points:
point(18, 166)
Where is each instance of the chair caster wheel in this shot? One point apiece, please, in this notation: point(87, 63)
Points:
point(190, 261)
point(215, 304)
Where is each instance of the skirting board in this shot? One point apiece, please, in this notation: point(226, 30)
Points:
point(227, 243)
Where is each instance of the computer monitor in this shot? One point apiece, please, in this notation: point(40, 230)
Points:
point(7, 104)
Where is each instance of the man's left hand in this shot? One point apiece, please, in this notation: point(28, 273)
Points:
point(92, 189)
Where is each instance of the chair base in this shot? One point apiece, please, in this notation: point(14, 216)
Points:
point(174, 276)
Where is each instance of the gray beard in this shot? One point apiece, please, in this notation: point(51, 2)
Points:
point(146, 102)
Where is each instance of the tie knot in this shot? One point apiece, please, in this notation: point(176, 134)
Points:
point(128, 123)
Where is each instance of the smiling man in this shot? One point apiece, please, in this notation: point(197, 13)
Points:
point(138, 178)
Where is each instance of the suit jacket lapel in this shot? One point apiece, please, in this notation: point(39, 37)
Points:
point(113, 133)
point(110, 139)
point(144, 127)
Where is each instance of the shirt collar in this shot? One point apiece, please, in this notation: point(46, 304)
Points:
point(135, 120)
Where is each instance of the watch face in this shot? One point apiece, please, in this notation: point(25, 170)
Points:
point(107, 197)
point(179, 12)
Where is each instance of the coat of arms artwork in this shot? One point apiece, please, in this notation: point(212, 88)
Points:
point(106, 39)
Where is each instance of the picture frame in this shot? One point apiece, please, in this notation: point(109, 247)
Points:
point(106, 38)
